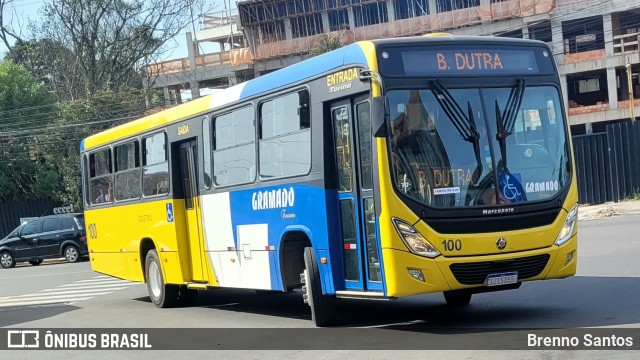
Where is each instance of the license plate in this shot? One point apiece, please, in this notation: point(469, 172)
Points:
point(502, 278)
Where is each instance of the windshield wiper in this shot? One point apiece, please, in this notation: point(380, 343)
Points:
point(507, 120)
point(466, 126)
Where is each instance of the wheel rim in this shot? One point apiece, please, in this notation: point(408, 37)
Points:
point(6, 260)
point(71, 253)
point(154, 280)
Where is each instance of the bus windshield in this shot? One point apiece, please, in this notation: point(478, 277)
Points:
point(466, 147)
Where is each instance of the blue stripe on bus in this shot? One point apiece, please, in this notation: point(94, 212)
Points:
point(82, 145)
point(308, 215)
point(351, 54)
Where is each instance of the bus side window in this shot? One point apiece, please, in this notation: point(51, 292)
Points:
point(155, 165)
point(101, 173)
point(127, 161)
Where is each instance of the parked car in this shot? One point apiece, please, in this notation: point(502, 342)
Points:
point(51, 236)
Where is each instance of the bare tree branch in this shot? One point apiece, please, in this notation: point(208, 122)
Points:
point(6, 31)
point(113, 40)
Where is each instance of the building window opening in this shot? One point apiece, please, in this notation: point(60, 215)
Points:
point(587, 89)
point(582, 35)
point(370, 14)
point(410, 9)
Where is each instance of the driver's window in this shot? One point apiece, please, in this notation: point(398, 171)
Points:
point(31, 228)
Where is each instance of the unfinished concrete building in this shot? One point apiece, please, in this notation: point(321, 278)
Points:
point(592, 40)
point(229, 63)
point(595, 42)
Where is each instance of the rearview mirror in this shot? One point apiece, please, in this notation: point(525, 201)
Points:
point(379, 117)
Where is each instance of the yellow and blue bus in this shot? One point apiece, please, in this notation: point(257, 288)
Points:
point(379, 170)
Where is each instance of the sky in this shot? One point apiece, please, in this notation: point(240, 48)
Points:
point(19, 12)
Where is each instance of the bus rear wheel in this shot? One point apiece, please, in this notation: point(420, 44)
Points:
point(322, 306)
point(457, 298)
point(162, 295)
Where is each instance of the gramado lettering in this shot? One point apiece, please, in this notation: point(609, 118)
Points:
point(273, 199)
point(470, 61)
point(534, 187)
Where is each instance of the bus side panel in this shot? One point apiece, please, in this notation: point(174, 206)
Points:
point(243, 227)
point(114, 243)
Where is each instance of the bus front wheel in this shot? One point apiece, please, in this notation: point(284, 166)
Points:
point(457, 298)
point(322, 306)
point(162, 295)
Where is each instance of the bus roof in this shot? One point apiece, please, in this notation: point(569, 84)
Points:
point(357, 53)
point(351, 54)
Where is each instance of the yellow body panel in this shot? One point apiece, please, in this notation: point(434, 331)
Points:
point(120, 231)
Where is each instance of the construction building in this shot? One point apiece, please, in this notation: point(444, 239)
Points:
point(228, 64)
point(595, 43)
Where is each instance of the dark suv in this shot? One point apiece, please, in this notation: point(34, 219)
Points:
point(46, 237)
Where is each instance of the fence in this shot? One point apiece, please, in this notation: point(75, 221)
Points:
point(608, 164)
point(11, 211)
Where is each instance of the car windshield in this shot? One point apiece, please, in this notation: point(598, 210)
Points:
point(472, 147)
point(15, 231)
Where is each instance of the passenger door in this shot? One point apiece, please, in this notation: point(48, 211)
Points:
point(188, 176)
point(354, 149)
point(50, 238)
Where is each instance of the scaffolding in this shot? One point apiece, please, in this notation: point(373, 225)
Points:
point(276, 28)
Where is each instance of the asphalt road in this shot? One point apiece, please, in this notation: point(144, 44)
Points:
point(605, 293)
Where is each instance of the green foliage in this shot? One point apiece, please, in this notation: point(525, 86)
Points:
point(634, 196)
point(23, 103)
point(51, 63)
point(326, 43)
point(82, 73)
point(77, 120)
point(20, 90)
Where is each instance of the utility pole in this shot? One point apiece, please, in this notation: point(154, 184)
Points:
point(632, 106)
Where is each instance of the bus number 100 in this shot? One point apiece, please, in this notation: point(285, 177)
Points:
point(451, 245)
point(93, 231)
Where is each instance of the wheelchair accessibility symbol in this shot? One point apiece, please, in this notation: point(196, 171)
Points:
point(169, 212)
point(511, 187)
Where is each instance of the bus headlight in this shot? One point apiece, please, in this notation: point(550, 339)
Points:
point(568, 229)
point(415, 242)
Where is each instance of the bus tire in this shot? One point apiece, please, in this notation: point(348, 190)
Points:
point(457, 298)
point(322, 306)
point(162, 295)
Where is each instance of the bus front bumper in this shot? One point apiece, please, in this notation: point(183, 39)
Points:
point(469, 272)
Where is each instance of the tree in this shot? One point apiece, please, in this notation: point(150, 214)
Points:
point(112, 40)
point(76, 120)
point(24, 104)
point(51, 63)
point(326, 43)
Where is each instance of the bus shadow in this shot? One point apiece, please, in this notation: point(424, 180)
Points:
point(581, 301)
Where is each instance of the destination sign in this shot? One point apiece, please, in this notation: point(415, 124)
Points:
point(464, 61)
point(468, 62)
